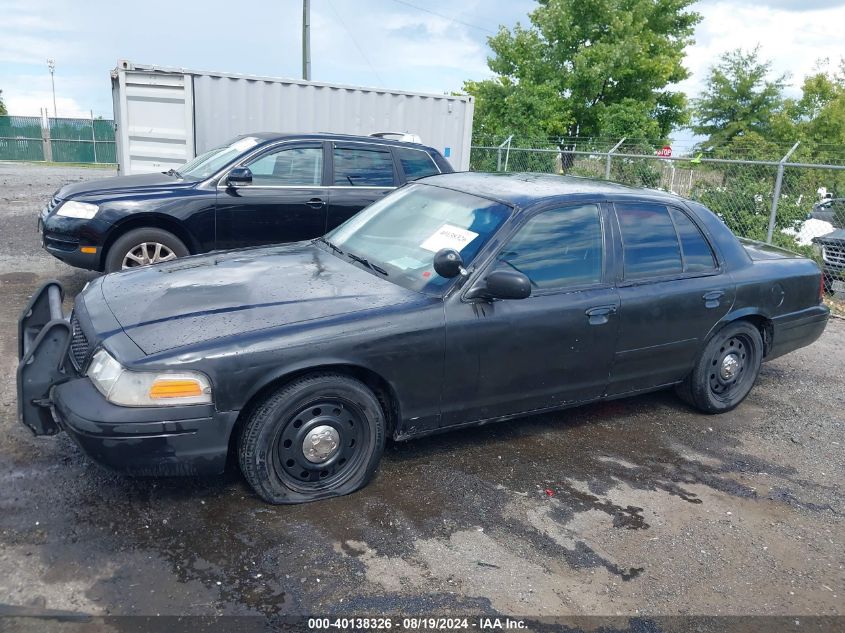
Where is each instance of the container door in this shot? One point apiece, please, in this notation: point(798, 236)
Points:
point(154, 116)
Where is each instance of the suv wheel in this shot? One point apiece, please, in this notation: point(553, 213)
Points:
point(142, 247)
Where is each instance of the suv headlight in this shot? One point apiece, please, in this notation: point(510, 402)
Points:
point(73, 209)
point(146, 388)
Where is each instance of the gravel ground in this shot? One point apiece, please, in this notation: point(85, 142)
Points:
point(633, 507)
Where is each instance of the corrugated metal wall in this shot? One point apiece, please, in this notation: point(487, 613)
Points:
point(166, 115)
point(228, 106)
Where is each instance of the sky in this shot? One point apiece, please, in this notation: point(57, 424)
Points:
point(418, 45)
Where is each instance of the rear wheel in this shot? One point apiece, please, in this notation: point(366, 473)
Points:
point(142, 247)
point(317, 437)
point(726, 369)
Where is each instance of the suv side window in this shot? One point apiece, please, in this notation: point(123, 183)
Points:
point(649, 243)
point(363, 167)
point(290, 166)
point(415, 163)
point(557, 248)
point(698, 257)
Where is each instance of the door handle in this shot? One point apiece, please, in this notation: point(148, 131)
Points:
point(315, 203)
point(599, 315)
point(711, 299)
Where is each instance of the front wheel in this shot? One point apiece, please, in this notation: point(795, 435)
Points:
point(726, 369)
point(142, 247)
point(320, 436)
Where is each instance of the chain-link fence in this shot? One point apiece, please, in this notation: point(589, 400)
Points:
point(59, 140)
point(784, 203)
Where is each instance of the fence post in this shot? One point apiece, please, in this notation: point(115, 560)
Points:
point(93, 137)
point(776, 196)
point(607, 167)
point(507, 142)
point(45, 139)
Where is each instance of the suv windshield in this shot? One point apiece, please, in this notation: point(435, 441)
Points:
point(207, 164)
point(401, 233)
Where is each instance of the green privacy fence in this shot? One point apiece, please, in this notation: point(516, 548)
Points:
point(57, 140)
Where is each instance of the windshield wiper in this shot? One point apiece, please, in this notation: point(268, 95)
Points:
point(172, 172)
point(361, 260)
point(330, 245)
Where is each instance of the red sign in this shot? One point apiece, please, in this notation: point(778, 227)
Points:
point(665, 151)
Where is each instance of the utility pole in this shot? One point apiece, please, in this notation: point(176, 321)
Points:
point(306, 40)
point(51, 65)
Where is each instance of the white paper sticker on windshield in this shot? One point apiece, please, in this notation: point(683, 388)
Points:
point(448, 236)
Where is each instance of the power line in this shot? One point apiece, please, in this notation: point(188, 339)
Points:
point(355, 42)
point(445, 17)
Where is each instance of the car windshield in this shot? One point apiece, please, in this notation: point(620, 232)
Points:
point(401, 233)
point(207, 164)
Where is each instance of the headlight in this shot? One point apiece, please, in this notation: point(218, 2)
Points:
point(146, 389)
point(73, 209)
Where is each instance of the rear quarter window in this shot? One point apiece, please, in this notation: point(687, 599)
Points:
point(416, 163)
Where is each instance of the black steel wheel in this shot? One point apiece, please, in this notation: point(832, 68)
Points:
point(319, 436)
point(726, 369)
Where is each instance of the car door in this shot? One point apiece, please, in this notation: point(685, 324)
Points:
point(361, 174)
point(285, 202)
point(553, 348)
point(673, 291)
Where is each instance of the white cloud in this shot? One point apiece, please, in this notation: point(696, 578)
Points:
point(793, 40)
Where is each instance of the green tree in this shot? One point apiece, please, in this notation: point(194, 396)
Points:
point(595, 68)
point(739, 99)
point(3, 111)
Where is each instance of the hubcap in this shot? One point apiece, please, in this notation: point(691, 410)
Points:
point(320, 444)
point(730, 367)
point(147, 253)
point(728, 373)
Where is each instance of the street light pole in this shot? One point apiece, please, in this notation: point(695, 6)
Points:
point(51, 65)
point(306, 40)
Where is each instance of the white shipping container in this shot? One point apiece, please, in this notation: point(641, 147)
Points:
point(166, 116)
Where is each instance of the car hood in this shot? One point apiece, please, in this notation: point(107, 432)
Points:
point(833, 237)
point(200, 298)
point(122, 184)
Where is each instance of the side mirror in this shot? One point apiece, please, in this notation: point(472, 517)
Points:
point(448, 263)
point(502, 284)
point(239, 176)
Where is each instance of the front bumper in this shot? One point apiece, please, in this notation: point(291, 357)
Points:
point(64, 238)
point(52, 396)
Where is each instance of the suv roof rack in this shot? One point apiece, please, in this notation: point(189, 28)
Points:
point(398, 136)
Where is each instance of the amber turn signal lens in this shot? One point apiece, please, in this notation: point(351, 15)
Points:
point(164, 388)
point(88, 249)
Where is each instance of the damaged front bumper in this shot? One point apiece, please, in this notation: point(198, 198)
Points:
point(44, 335)
point(53, 396)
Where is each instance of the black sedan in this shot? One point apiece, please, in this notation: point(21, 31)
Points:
point(459, 300)
point(258, 189)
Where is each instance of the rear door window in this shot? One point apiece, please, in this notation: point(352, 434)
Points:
point(354, 167)
point(649, 242)
point(415, 163)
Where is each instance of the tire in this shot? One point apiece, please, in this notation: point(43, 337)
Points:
point(146, 240)
point(272, 447)
point(726, 369)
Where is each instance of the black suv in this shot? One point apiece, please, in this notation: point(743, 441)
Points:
point(258, 189)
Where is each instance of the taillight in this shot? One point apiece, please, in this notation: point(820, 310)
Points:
point(821, 288)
